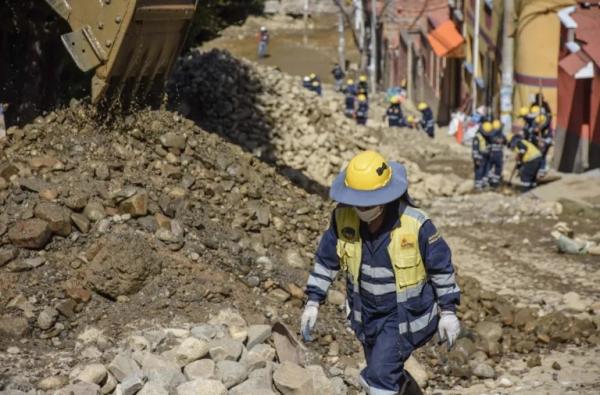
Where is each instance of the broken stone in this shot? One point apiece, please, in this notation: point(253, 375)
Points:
point(231, 373)
point(94, 373)
point(291, 379)
point(202, 387)
point(136, 206)
point(94, 211)
point(172, 140)
point(257, 334)
point(225, 349)
point(191, 349)
point(30, 233)
point(47, 318)
point(58, 218)
point(122, 366)
point(7, 254)
point(201, 369)
point(81, 222)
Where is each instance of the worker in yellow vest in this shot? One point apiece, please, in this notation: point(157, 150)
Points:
point(400, 279)
point(529, 159)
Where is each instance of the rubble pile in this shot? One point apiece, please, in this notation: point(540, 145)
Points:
point(269, 114)
point(222, 356)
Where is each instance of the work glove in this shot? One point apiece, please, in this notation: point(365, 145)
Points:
point(309, 319)
point(448, 327)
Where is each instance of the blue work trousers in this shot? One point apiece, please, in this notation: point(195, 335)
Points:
point(496, 162)
point(385, 352)
point(481, 169)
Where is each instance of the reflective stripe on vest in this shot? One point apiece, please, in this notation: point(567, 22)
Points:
point(482, 142)
point(532, 151)
point(407, 263)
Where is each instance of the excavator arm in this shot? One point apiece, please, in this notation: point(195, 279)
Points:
point(130, 45)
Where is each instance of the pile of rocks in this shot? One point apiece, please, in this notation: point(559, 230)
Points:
point(269, 113)
point(222, 356)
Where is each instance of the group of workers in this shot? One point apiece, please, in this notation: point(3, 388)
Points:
point(312, 82)
point(356, 99)
point(531, 144)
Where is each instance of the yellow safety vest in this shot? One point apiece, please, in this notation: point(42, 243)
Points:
point(532, 151)
point(404, 252)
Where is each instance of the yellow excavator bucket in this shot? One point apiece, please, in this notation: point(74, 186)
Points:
point(130, 44)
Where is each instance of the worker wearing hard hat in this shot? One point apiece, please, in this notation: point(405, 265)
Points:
point(263, 41)
point(362, 110)
point(480, 152)
point(529, 159)
point(306, 82)
point(338, 76)
point(496, 141)
point(411, 122)
point(400, 278)
point(394, 113)
point(427, 121)
point(350, 98)
point(363, 85)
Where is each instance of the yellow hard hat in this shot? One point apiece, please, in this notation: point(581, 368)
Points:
point(487, 127)
point(540, 119)
point(422, 105)
point(394, 100)
point(362, 98)
point(523, 111)
point(367, 171)
point(312, 76)
point(534, 110)
point(410, 119)
point(362, 78)
point(350, 81)
point(496, 124)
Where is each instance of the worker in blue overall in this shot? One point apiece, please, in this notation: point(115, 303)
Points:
point(338, 76)
point(529, 160)
point(399, 274)
point(543, 130)
point(481, 155)
point(496, 141)
point(362, 110)
point(350, 98)
point(427, 121)
point(315, 83)
point(394, 113)
point(363, 85)
point(307, 83)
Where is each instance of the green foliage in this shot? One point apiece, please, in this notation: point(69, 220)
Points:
point(213, 16)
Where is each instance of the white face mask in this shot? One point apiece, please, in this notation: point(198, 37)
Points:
point(369, 215)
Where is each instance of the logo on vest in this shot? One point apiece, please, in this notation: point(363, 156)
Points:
point(349, 233)
point(407, 243)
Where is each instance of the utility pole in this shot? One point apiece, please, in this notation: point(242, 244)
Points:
point(506, 91)
point(373, 65)
point(305, 19)
point(475, 53)
point(342, 42)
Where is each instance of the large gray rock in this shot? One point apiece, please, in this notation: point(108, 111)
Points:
point(292, 379)
point(201, 369)
point(131, 384)
point(251, 387)
point(161, 370)
point(231, 373)
point(153, 388)
point(321, 383)
point(225, 350)
point(257, 334)
point(190, 350)
point(484, 371)
point(81, 388)
point(13, 326)
point(94, 373)
point(123, 365)
point(204, 332)
point(201, 387)
point(258, 356)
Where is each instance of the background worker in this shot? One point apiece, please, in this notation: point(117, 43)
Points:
point(545, 136)
point(362, 110)
point(394, 113)
point(400, 277)
point(481, 155)
point(529, 160)
point(263, 41)
point(363, 85)
point(338, 76)
point(427, 121)
point(349, 98)
point(496, 141)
